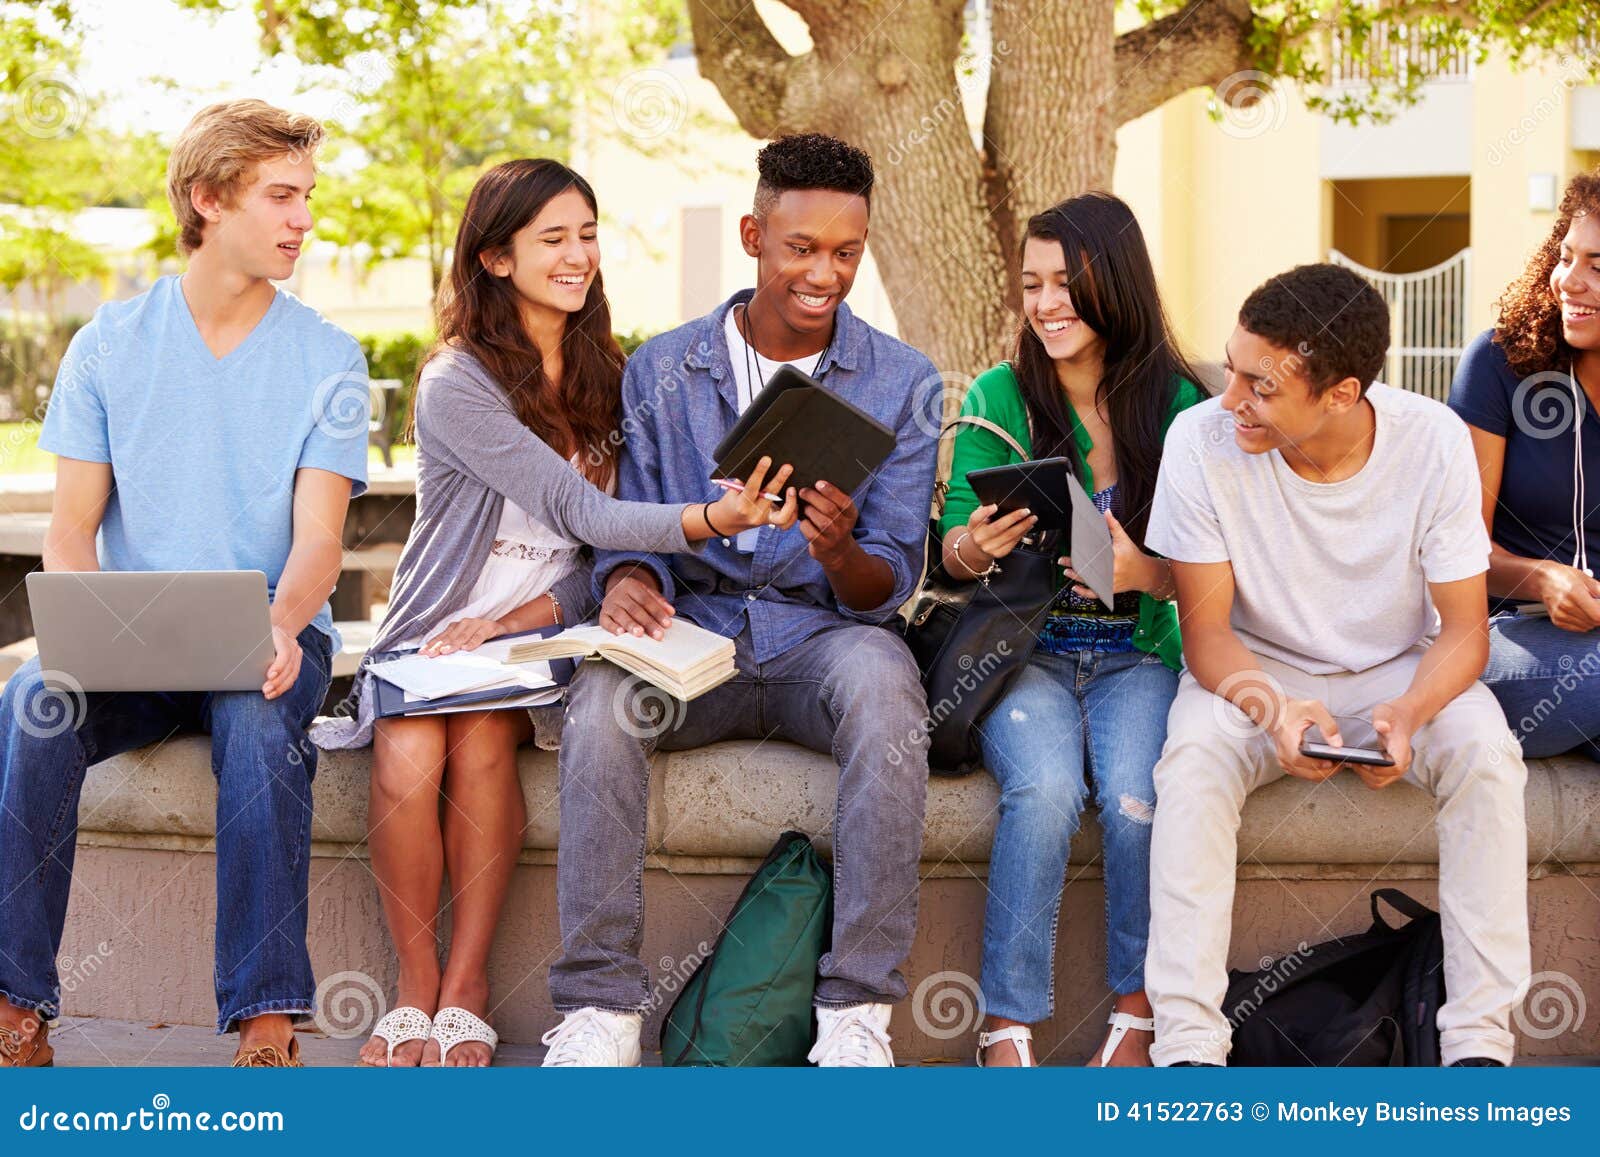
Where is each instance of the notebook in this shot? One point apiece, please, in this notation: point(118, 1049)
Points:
point(798, 420)
point(685, 662)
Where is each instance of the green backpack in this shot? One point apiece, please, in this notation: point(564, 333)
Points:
point(749, 1002)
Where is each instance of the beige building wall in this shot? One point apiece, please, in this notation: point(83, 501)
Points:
point(1523, 136)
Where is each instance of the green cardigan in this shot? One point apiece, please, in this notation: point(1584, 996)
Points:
point(996, 396)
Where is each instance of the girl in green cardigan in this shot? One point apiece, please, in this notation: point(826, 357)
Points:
point(1097, 378)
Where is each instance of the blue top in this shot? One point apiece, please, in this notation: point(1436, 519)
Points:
point(1533, 517)
point(1075, 623)
point(204, 449)
point(678, 400)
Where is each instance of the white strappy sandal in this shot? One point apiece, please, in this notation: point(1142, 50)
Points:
point(400, 1026)
point(1121, 1024)
point(1018, 1034)
point(453, 1026)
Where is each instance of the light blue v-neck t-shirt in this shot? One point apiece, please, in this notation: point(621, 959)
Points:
point(204, 450)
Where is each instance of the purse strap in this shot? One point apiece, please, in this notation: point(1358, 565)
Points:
point(941, 487)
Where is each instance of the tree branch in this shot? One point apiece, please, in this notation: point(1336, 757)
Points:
point(1201, 44)
point(736, 51)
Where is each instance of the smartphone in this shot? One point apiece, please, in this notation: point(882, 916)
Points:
point(1370, 756)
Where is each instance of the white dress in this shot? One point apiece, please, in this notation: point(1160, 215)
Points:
point(526, 560)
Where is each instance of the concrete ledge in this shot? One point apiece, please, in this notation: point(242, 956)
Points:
point(138, 940)
point(730, 801)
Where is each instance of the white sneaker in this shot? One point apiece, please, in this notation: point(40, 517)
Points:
point(853, 1038)
point(594, 1038)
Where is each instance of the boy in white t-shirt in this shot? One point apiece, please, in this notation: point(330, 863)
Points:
point(1329, 551)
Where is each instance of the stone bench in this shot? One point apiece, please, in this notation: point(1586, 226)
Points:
point(139, 933)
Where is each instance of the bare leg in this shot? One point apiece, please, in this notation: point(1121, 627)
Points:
point(407, 850)
point(483, 823)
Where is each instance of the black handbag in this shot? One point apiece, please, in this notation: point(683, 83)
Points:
point(972, 638)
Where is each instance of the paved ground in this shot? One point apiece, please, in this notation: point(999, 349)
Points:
point(82, 1041)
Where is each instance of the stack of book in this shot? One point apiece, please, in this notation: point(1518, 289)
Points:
point(531, 669)
point(480, 680)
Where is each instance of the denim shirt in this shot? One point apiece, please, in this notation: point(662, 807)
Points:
point(679, 398)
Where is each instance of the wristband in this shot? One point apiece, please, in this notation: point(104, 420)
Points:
point(705, 513)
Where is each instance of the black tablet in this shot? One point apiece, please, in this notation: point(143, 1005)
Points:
point(798, 420)
point(1040, 485)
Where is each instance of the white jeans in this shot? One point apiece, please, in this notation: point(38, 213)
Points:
point(1466, 757)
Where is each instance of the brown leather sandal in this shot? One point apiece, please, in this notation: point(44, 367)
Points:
point(32, 1052)
point(269, 1057)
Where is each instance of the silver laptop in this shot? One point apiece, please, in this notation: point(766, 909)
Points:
point(154, 630)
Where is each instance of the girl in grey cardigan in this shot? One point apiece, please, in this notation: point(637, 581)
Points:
point(515, 412)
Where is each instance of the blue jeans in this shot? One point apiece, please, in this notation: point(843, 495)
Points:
point(850, 692)
point(263, 763)
point(1545, 680)
point(1067, 714)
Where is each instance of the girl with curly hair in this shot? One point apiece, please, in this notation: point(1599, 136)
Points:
point(1528, 389)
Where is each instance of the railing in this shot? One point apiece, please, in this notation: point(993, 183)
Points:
point(1427, 318)
point(1401, 52)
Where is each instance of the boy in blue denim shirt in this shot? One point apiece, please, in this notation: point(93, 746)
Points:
point(808, 613)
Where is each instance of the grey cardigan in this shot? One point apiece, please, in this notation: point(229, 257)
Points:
point(473, 454)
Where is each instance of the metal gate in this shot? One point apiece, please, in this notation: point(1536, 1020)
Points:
point(1427, 321)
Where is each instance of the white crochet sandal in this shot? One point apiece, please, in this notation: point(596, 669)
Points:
point(400, 1026)
point(453, 1026)
point(1121, 1024)
point(1018, 1035)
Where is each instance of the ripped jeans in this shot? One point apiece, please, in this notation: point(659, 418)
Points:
point(1067, 721)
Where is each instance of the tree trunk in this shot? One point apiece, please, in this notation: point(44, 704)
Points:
point(948, 213)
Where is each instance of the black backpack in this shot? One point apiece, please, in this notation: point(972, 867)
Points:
point(1368, 999)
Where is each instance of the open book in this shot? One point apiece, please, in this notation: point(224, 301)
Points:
point(686, 661)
